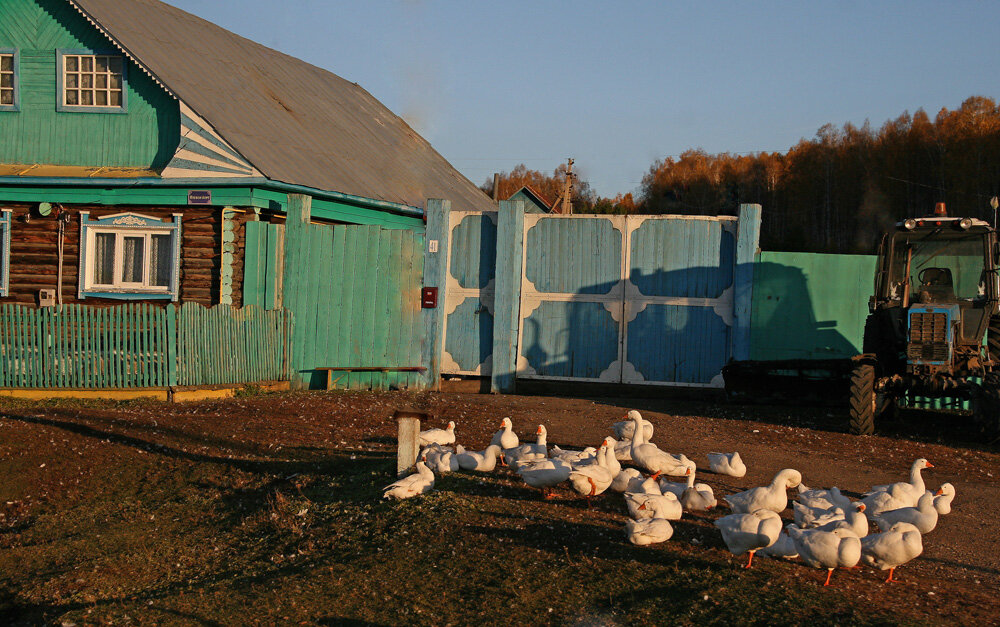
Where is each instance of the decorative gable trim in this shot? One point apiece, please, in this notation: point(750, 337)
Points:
point(204, 153)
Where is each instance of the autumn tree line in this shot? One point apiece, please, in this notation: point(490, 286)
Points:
point(832, 193)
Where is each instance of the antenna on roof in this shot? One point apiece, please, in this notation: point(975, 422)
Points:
point(567, 195)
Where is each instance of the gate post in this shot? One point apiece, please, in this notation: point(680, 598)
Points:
point(436, 236)
point(507, 295)
point(747, 242)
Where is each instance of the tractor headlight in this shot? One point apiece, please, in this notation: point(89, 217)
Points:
point(965, 224)
point(909, 224)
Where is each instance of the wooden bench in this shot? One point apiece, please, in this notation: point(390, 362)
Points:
point(330, 381)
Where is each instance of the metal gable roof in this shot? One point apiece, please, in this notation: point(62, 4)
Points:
point(295, 122)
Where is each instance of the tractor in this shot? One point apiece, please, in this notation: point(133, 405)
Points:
point(934, 327)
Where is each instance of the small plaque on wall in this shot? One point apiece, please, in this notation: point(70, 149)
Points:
point(199, 197)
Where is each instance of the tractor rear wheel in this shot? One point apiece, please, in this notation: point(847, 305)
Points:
point(986, 406)
point(993, 340)
point(863, 400)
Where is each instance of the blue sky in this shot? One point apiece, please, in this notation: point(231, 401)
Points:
point(616, 85)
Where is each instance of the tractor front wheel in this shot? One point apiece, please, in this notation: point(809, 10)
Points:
point(863, 400)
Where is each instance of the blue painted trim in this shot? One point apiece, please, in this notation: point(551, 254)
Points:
point(747, 242)
point(507, 296)
point(108, 222)
point(435, 275)
point(17, 80)
point(5, 223)
point(61, 77)
point(198, 130)
point(187, 143)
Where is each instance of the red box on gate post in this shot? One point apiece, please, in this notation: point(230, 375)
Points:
point(429, 297)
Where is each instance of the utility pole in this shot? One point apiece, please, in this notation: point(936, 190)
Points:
point(567, 195)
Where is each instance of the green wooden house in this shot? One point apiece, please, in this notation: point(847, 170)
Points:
point(147, 157)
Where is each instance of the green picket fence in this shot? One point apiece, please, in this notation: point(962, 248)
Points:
point(140, 345)
point(228, 345)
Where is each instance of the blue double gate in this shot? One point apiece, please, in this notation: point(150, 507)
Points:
point(661, 300)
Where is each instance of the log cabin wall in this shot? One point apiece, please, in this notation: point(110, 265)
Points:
point(34, 246)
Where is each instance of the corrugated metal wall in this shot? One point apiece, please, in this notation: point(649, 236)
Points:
point(145, 137)
point(809, 305)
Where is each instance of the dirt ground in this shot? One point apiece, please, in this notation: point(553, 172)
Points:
point(52, 455)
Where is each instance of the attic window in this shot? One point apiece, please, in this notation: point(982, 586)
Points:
point(92, 82)
point(8, 80)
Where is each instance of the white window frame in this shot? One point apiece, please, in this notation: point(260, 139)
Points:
point(121, 226)
point(14, 73)
point(93, 107)
point(118, 262)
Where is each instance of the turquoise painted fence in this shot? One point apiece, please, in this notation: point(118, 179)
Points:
point(355, 294)
point(139, 346)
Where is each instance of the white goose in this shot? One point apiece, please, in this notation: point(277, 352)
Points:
point(544, 474)
point(892, 548)
point(485, 461)
point(675, 488)
point(772, 497)
point(746, 533)
point(924, 516)
point(573, 457)
point(633, 499)
point(623, 450)
point(437, 436)
point(852, 518)
point(697, 497)
point(592, 479)
point(628, 480)
point(783, 548)
point(665, 506)
point(811, 507)
point(729, 464)
point(623, 429)
point(943, 498)
point(650, 458)
point(907, 492)
point(441, 460)
point(820, 498)
point(648, 531)
point(529, 452)
point(419, 482)
point(505, 438)
point(840, 548)
point(610, 460)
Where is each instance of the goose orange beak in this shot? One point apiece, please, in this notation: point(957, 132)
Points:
point(861, 507)
point(930, 465)
point(939, 492)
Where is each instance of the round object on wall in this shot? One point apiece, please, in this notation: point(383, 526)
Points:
point(44, 208)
